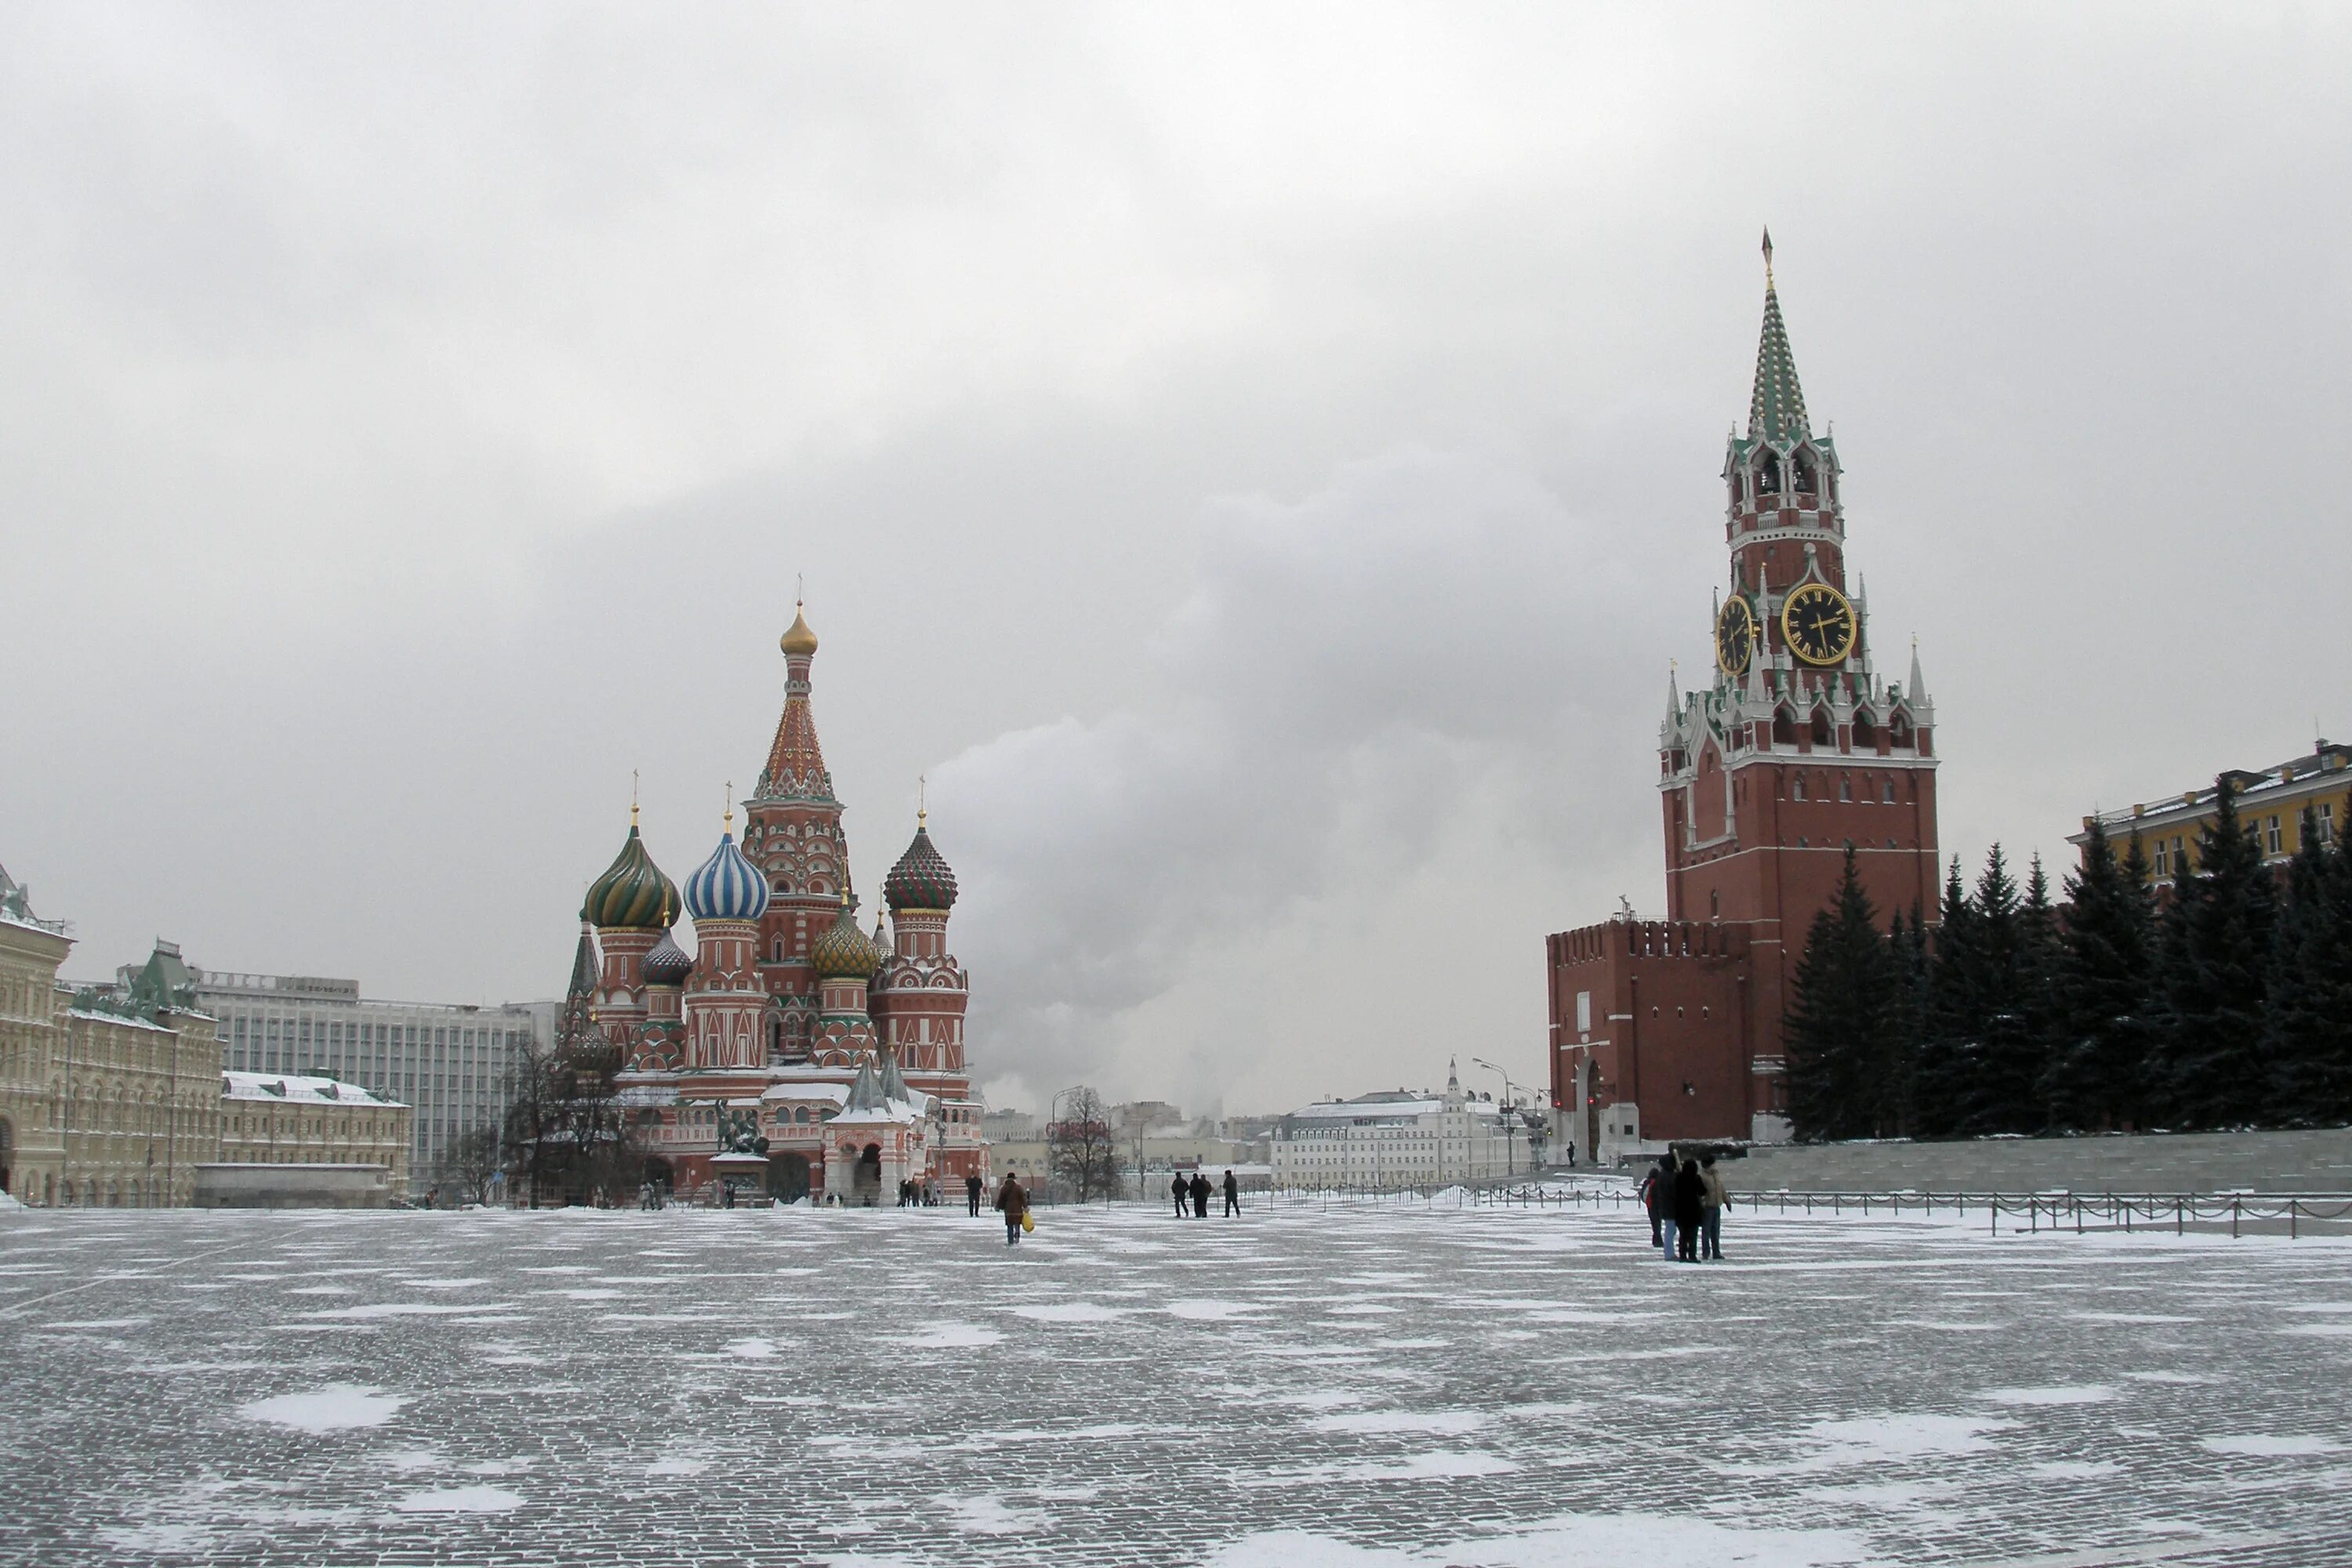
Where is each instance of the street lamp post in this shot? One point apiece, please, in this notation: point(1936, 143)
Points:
point(1510, 1156)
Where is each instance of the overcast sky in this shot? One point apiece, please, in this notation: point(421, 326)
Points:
point(1258, 461)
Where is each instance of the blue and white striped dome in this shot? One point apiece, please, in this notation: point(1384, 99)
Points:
point(728, 887)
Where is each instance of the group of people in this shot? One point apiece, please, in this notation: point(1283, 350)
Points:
point(1193, 1195)
point(1685, 1198)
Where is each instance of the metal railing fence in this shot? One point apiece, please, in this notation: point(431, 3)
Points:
point(2031, 1212)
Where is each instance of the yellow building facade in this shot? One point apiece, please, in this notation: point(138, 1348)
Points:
point(112, 1098)
point(2273, 802)
point(105, 1101)
point(282, 1119)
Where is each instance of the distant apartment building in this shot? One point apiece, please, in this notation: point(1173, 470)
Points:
point(2270, 802)
point(1400, 1137)
point(450, 1062)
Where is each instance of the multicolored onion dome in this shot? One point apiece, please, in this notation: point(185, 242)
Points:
point(921, 879)
point(727, 887)
point(632, 894)
point(668, 964)
point(843, 952)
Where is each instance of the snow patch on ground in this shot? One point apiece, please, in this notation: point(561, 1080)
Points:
point(1210, 1309)
point(957, 1337)
point(1570, 1542)
point(334, 1408)
point(2076, 1393)
point(1872, 1439)
point(460, 1499)
point(2255, 1445)
point(1438, 1467)
point(751, 1349)
point(1437, 1423)
point(1068, 1312)
point(988, 1516)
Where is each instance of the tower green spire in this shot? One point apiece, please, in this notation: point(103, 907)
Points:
point(1775, 409)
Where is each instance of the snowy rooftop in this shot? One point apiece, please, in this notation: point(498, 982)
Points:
point(283, 1087)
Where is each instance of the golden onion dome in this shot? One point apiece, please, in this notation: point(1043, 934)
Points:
point(799, 640)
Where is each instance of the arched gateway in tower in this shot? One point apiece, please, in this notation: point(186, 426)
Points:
point(789, 1033)
point(1796, 750)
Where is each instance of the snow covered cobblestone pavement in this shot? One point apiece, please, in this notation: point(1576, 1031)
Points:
point(1374, 1387)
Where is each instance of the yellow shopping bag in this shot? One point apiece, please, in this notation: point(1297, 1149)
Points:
point(1028, 1220)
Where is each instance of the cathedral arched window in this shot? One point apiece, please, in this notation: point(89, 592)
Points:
point(1866, 733)
point(1898, 731)
point(1784, 728)
point(1767, 473)
point(1820, 727)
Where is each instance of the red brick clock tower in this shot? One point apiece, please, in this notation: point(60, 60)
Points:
point(1795, 749)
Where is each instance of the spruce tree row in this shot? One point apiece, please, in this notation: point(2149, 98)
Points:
point(2227, 1003)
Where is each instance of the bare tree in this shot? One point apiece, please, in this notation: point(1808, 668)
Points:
point(472, 1158)
point(1082, 1152)
point(569, 1139)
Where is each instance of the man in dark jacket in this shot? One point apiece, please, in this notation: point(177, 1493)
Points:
point(972, 1187)
point(1199, 1196)
point(1013, 1202)
point(1656, 1195)
point(1181, 1191)
point(1232, 1196)
point(1690, 1199)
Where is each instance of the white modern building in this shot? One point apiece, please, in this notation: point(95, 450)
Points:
point(1399, 1137)
point(449, 1063)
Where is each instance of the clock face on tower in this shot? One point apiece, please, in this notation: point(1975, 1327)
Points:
point(1735, 636)
point(1818, 624)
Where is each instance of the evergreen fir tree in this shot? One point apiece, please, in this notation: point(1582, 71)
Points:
point(1909, 945)
point(1999, 989)
point(1842, 1017)
point(2103, 990)
point(2308, 1019)
point(2216, 962)
point(1947, 1033)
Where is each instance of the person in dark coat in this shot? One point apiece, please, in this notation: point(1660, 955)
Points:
point(1013, 1202)
point(1690, 1203)
point(1181, 1191)
point(1199, 1196)
point(1656, 1193)
point(972, 1187)
point(1232, 1196)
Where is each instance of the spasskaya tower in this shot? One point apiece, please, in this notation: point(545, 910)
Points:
point(1796, 750)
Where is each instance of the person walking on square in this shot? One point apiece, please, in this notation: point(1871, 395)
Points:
point(1199, 1196)
point(1656, 1192)
point(972, 1191)
point(1690, 1206)
point(1013, 1202)
point(1181, 1191)
point(1717, 1200)
point(1232, 1196)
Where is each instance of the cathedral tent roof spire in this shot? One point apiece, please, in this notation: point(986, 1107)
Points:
point(583, 964)
point(795, 765)
point(1776, 408)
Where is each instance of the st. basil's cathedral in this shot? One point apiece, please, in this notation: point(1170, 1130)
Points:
point(843, 1051)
